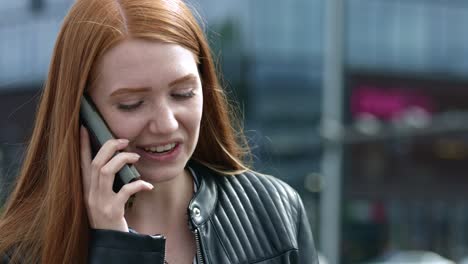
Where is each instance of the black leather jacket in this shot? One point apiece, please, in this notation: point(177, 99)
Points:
point(248, 218)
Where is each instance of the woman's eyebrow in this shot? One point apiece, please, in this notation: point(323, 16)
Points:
point(121, 91)
point(186, 78)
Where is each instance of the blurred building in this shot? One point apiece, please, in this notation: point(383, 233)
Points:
point(406, 136)
point(405, 107)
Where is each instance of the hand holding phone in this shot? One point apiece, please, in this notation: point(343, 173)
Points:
point(106, 167)
point(99, 134)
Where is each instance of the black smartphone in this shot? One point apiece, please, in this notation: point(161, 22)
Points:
point(99, 133)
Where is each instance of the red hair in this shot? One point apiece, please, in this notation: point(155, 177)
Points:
point(45, 218)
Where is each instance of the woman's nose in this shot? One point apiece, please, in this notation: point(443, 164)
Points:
point(163, 120)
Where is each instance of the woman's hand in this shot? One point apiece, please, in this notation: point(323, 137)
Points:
point(106, 208)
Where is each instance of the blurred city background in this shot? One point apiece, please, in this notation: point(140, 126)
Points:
point(361, 105)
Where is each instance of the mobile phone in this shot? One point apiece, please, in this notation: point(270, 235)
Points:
point(100, 133)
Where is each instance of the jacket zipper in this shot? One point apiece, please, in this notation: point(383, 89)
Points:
point(197, 240)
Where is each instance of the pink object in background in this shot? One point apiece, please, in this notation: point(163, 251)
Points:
point(388, 103)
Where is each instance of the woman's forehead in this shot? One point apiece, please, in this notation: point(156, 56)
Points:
point(137, 62)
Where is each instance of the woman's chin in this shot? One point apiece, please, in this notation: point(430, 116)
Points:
point(160, 175)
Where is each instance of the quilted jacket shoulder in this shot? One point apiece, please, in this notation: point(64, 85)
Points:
point(257, 219)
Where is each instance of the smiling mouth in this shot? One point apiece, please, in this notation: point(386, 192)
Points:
point(160, 149)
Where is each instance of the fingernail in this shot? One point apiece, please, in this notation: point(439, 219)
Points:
point(136, 156)
point(149, 185)
point(123, 141)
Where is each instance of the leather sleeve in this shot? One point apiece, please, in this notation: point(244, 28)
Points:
point(307, 252)
point(108, 246)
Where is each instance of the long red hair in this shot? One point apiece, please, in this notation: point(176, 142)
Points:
point(45, 218)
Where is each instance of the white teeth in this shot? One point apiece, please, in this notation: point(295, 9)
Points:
point(160, 149)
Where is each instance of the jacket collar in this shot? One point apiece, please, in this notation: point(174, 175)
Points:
point(204, 201)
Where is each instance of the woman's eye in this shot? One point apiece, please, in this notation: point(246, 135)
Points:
point(184, 95)
point(129, 107)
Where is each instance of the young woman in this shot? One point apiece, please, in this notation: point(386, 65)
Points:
point(147, 67)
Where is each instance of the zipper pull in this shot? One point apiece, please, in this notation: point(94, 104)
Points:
point(195, 212)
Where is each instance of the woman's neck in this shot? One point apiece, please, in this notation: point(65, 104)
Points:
point(164, 209)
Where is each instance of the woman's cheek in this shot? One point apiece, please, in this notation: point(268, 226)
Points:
point(127, 128)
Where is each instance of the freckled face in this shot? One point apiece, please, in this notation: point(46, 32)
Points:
point(150, 93)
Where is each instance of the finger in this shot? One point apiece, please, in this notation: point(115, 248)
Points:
point(107, 151)
point(130, 189)
point(108, 171)
point(85, 155)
